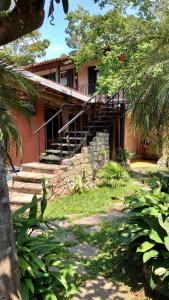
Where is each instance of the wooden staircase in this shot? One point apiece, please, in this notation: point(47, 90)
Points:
point(78, 132)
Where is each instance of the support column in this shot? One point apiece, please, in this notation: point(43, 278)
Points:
point(122, 130)
point(65, 116)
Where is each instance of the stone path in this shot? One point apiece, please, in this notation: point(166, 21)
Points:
point(96, 220)
point(98, 288)
point(102, 289)
point(84, 250)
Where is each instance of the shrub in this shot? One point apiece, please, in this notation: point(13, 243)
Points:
point(147, 234)
point(159, 179)
point(80, 185)
point(112, 174)
point(124, 155)
point(46, 272)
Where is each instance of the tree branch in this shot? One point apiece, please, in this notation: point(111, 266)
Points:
point(24, 18)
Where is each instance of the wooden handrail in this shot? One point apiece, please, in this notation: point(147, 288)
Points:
point(110, 98)
point(71, 121)
point(86, 103)
point(53, 117)
point(76, 117)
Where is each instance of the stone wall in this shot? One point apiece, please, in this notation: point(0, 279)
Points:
point(84, 164)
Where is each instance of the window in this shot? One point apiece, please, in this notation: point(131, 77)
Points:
point(63, 77)
point(50, 76)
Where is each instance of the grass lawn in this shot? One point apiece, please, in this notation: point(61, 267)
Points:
point(95, 201)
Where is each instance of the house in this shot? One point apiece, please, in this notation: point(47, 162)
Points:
point(73, 132)
point(122, 134)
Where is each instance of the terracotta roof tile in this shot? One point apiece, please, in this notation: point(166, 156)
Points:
point(46, 62)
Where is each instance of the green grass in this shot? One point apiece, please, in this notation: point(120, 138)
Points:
point(95, 201)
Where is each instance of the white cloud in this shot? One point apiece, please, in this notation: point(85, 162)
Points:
point(56, 48)
point(54, 51)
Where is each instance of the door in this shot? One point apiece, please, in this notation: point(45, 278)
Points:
point(70, 78)
point(92, 78)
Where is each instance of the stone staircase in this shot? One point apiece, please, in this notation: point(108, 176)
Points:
point(26, 183)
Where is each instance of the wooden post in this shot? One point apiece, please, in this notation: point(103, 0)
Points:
point(122, 130)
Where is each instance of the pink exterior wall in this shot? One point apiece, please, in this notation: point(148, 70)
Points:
point(133, 143)
point(29, 139)
point(83, 73)
point(131, 140)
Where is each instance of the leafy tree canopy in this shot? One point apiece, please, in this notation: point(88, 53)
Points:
point(27, 49)
point(132, 53)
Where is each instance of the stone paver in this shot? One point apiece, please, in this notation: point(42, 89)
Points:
point(67, 237)
point(84, 250)
point(61, 223)
point(102, 289)
point(113, 215)
point(92, 229)
point(96, 220)
point(90, 221)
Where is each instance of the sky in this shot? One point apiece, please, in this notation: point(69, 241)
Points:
point(56, 34)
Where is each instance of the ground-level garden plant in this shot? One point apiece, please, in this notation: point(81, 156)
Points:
point(112, 174)
point(146, 234)
point(45, 267)
point(159, 179)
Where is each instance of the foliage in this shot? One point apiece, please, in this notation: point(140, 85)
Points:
point(112, 174)
point(124, 155)
point(80, 185)
point(147, 233)
point(159, 179)
point(27, 49)
point(97, 200)
point(46, 271)
point(132, 55)
point(144, 8)
point(16, 95)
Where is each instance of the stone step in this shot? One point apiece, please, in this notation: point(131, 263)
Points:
point(25, 187)
point(21, 198)
point(36, 167)
point(33, 177)
point(51, 158)
point(17, 200)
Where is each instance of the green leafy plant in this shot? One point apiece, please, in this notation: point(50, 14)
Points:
point(146, 234)
point(112, 174)
point(124, 155)
point(80, 185)
point(102, 152)
point(159, 179)
point(45, 267)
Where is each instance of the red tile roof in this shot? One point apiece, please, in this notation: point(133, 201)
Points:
point(46, 62)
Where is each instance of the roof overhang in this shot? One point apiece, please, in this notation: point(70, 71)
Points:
point(55, 89)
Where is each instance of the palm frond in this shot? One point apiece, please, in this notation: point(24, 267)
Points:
point(17, 93)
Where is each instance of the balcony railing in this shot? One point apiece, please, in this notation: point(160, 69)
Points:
point(87, 90)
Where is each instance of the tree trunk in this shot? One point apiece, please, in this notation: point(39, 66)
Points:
point(9, 272)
